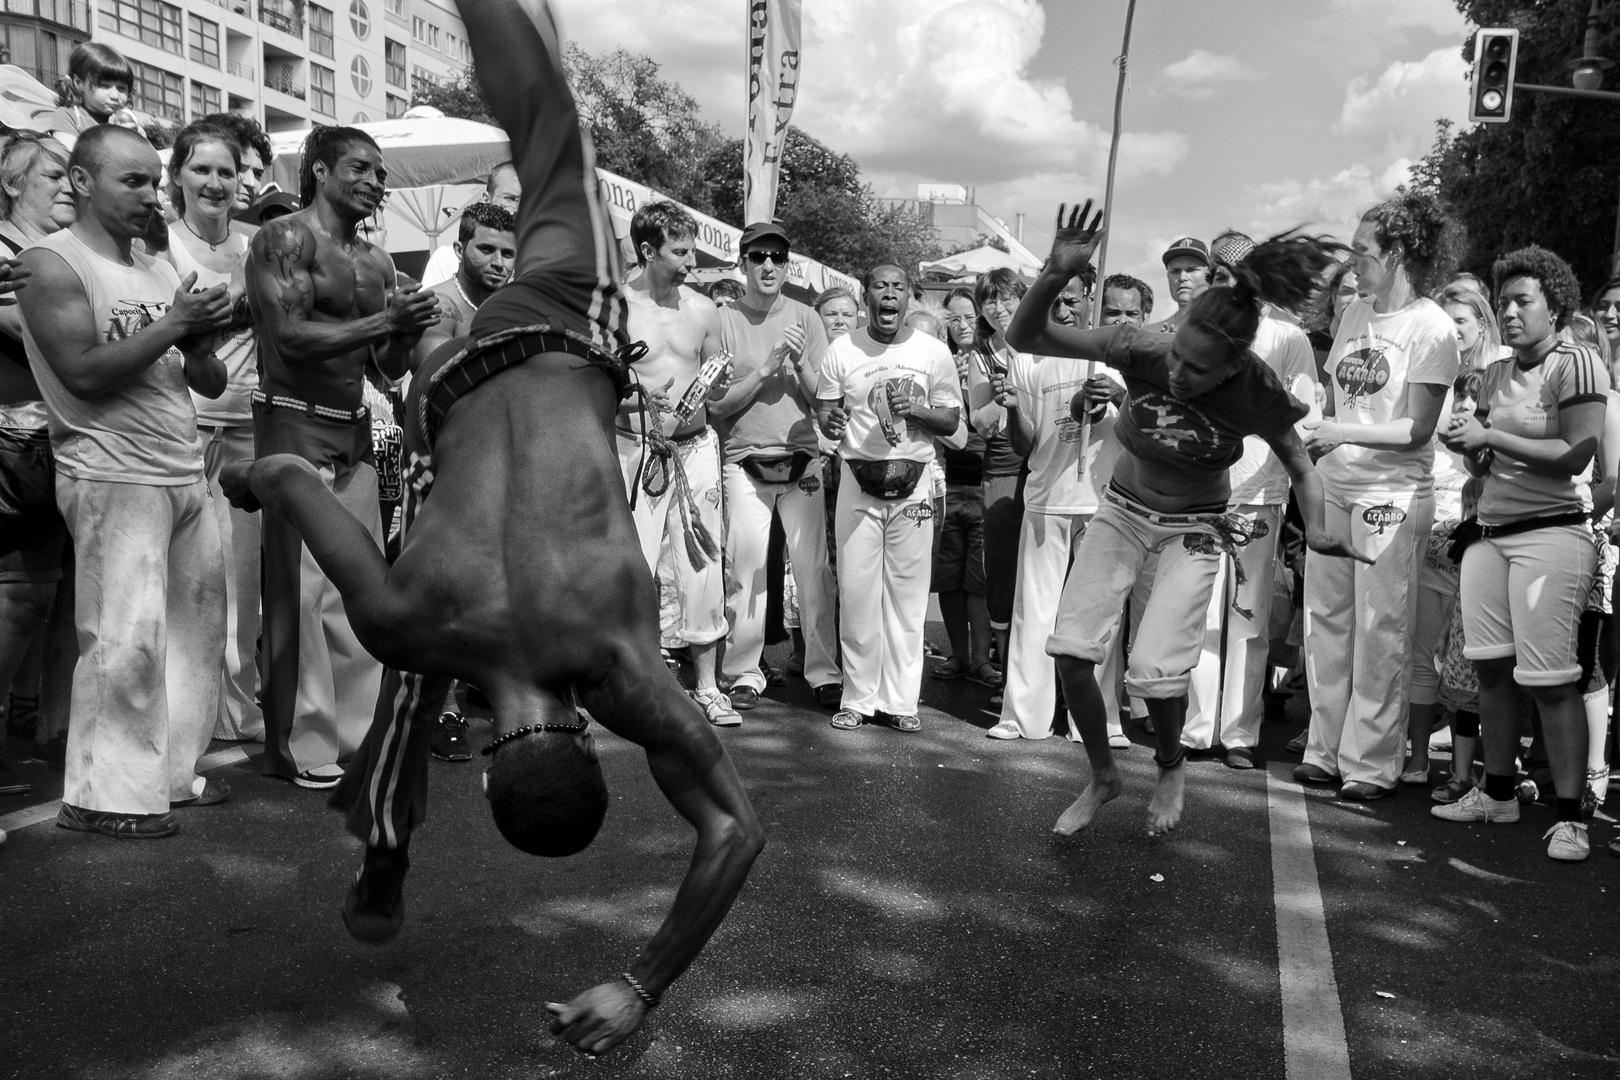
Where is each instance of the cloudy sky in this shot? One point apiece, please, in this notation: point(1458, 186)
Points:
point(1258, 114)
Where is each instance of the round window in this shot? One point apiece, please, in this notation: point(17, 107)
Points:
point(360, 118)
point(360, 75)
point(359, 18)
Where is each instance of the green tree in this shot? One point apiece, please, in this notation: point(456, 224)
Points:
point(1550, 176)
point(462, 97)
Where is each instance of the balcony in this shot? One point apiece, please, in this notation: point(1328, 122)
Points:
point(239, 69)
point(284, 81)
point(71, 13)
point(241, 7)
point(283, 16)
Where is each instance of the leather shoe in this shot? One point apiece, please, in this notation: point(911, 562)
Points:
point(1242, 757)
point(743, 698)
point(1355, 791)
point(830, 695)
point(1314, 774)
point(374, 907)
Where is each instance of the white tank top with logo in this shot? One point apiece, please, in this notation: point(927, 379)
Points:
point(145, 431)
point(239, 352)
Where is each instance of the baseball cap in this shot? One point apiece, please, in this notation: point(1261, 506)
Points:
point(269, 207)
point(1190, 246)
point(1232, 249)
point(763, 230)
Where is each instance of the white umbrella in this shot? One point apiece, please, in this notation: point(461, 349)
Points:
point(981, 260)
point(418, 152)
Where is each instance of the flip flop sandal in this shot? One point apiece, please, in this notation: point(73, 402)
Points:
point(952, 668)
point(846, 720)
point(986, 675)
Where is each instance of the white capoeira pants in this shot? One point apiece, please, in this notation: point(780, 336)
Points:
point(701, 589)
point(885, 561)
point(150, 611)
point(1224, 698)
point(803, 510)
point(239, 714)
point(1046, 545)
point(1359, 623)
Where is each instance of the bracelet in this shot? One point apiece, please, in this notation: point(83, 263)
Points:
point(641, 991)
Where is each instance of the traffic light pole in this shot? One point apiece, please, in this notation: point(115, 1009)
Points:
point(1565, 91)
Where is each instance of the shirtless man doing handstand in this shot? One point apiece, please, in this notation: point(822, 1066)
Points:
point(522, 571)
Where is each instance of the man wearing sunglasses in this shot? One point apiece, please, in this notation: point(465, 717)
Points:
point(773, 467)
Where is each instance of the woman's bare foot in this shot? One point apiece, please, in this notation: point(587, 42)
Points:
point(1104, 787)
point(1164, 809)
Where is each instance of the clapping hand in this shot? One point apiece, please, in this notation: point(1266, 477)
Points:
point(13, 275)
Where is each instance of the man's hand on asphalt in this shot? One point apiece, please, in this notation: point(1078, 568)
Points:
point(599, 1019)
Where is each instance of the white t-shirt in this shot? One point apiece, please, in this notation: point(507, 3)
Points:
point(1374, 359)
point(441, 266)
point(239, 352)
point(144, 432)
point(859, 370)
point(1045, 387)
point(1258, 478)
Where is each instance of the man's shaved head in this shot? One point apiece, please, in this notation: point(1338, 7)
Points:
point(95, 145)
point(546, 793)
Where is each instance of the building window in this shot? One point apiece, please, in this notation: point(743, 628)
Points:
point(158, 92)
point(396, 107)
point(204, 100)
point(75, 13)
point(360, 75)
point(320, 31)
point(421, 77)
point(425, 32)
point(361, 117)
point(394, 62)
point(204, 41)
point(151, 22)
point(395, 8)
point(359, 18)
point(323, 90)
point(42, 54)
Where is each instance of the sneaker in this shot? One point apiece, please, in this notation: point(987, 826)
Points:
point(1478, 806)
point(374, 906)
point(1356, 791)
point(1242, 757)
point(1004, 730)
point(208, 793)
point(121, 826)
point(744, 698)
point(1314, 774)
point(716, 708)
point(1120, 741)
point(1567, 842)
point(448, 741)
point(320, 778)
point(1296, 745)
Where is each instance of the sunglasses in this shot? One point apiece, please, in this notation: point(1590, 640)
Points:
point(777, 258)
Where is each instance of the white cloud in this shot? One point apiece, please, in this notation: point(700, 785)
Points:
point(1332, 203)
point(1440, 16)
point(1397, 110)
point(1200, 72)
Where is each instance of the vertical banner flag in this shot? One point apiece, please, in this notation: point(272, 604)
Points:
point(773, 84)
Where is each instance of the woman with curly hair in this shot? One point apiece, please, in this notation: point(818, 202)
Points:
point(1191, 399)
point(1525, 581)
point(1393, 360)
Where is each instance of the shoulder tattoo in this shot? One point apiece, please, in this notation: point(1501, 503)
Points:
point(284, 247)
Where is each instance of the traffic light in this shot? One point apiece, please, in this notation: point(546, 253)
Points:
point(1495, 54)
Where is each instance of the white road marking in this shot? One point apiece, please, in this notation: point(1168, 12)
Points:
point(38, 815)
point(1314, 1046)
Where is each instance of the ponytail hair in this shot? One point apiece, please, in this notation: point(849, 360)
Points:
point(1430, 238)
point(1285, 270)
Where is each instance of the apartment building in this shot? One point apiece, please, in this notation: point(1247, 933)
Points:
point(286, 63)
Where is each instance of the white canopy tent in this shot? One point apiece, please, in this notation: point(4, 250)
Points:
point(437, 165)
point(979, 260)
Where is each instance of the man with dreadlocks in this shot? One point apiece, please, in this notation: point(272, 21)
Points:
point(522, 571)
point(324, 301)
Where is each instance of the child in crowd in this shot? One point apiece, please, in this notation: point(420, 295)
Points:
point(102, 83)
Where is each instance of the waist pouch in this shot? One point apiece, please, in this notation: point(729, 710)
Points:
point(27, 471)
point(778, 470)
point(888, 479)
point(1469, 529)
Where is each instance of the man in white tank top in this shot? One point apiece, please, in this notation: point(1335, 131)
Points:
point(116, 340)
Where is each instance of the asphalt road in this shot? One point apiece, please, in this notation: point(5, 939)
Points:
point(912, 916)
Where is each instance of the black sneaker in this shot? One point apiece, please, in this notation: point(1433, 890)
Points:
point(449, 739)
point(743, 698)
point(374, 907)
point(119, 826)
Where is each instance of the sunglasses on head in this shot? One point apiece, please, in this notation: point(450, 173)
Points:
point(777, 258)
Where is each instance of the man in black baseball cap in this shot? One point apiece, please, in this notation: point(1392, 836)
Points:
point(1186, 265)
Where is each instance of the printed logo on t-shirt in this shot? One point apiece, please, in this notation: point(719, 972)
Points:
point(130, 317)
point(810, 484)
point(1380, 518)
point(905, 386)
point(1068, 429)
point(1362, 373)
point(919, 512)
point(1178, 426)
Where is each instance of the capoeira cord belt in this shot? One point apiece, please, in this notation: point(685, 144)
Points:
point(321, 412)
point(667, 467)
point(1223, 532)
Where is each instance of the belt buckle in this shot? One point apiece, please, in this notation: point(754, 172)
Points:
point(309, 409)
